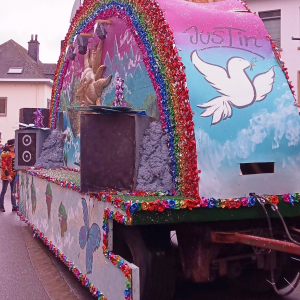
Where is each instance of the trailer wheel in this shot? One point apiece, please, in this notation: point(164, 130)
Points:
point(258, 281)
point(290, 270)
point(149, 249)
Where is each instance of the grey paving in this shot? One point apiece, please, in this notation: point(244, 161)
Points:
point(18, 279)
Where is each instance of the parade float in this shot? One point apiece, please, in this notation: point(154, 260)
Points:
point(148, 97)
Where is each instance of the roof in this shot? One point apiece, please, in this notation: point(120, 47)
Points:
point(14, 55)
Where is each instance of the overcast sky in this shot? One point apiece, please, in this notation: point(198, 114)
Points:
point(49, 19)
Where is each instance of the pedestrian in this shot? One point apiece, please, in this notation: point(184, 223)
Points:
point(1, 149)
point(8, 173)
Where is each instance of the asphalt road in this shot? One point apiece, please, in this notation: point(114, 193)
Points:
point(18, 279)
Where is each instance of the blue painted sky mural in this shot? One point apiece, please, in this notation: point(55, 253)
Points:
point(266, 131)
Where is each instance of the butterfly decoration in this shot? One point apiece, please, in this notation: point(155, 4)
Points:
point(89, 237)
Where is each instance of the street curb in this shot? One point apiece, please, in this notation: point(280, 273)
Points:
point(51, 279)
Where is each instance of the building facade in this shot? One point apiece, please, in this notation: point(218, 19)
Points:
point(24, 82)
point(282, 21)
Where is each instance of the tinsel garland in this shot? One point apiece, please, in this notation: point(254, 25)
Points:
point(159, 205)
point(132, 206)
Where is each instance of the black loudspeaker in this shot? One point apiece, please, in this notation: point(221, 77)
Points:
point(109, 146)
point(26, 116)
point(28, 146)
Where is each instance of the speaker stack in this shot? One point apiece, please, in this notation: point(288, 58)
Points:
point(109, 145)
point(28, 146)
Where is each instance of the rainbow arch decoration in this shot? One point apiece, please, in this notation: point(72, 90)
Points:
point(152, 33)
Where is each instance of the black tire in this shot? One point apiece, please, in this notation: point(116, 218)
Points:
point(148, 248)
point(290, 270)
point(258, 280)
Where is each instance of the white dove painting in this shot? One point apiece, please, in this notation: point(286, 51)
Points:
point(234, 85)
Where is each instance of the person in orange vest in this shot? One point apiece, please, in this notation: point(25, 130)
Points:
point(8, 173)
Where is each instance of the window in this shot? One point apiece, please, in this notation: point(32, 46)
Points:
point(3, 102)
point(15, 70)
point(256, 168)
point(271, 20)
